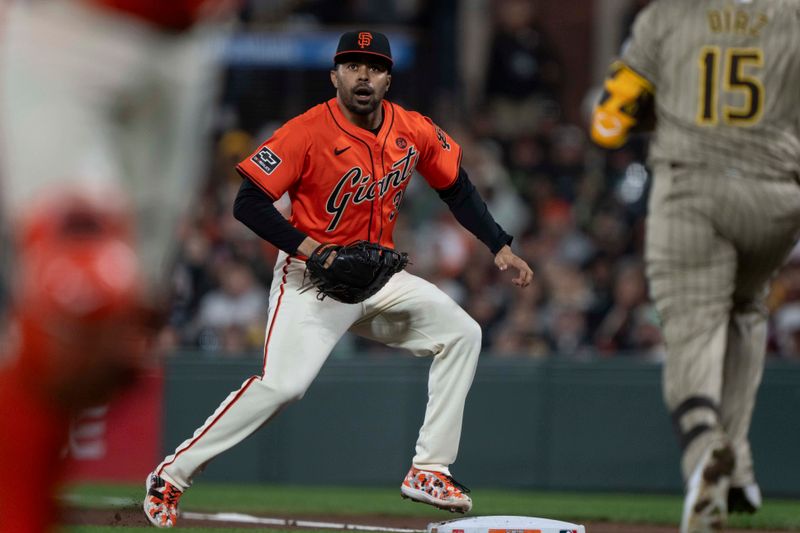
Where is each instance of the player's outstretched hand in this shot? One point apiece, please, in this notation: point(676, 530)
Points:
point(506, 258)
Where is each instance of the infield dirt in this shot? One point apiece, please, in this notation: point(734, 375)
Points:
point(133, 516)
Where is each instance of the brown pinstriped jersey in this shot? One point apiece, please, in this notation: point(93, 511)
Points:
point(727, 82)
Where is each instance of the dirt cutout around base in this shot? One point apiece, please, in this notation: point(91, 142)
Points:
point(134, 516)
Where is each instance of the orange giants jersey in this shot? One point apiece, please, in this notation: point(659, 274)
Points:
point(344, 182)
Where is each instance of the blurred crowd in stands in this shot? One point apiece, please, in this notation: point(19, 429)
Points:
point(577, 213)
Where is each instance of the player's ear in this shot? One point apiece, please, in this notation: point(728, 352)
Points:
point(334, 78)
point(388, 81)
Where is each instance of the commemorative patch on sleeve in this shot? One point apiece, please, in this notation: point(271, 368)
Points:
point(442, 138)
point(266, 159)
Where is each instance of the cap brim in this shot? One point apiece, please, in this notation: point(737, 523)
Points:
point(342, 56)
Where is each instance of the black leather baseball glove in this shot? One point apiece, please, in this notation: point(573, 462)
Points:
point(358, 270)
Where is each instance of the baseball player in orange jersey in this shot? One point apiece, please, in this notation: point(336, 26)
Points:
point(724, 213)
point(100, 102)
point(346, 164)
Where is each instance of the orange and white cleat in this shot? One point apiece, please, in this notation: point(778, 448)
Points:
point(161, 501)
point(437, 489)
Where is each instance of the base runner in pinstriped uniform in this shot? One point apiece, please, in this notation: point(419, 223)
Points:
point(724, 212)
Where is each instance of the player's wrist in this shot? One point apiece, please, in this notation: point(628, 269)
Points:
point(307, 247)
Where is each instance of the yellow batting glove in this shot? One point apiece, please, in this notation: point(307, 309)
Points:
point(624, 99)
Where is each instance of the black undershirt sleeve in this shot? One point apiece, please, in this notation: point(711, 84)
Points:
point(471, 212)
point(255, 209)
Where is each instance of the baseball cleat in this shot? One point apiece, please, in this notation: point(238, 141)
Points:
point(161, 501)
point(436, 489)
point(746, 499)
point(705, 508)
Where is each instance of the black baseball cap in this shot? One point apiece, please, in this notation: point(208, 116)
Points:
point(363, 43)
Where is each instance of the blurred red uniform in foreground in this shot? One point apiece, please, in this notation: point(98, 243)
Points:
point(105, 107)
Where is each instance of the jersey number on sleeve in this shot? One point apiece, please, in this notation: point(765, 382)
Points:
point(737, 66)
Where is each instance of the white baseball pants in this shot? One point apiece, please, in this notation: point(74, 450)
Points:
point(408, 312)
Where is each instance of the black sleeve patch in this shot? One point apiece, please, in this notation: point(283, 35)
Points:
point(266, 159)
point(442, 139)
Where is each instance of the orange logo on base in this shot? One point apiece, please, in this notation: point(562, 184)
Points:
point(364, 39)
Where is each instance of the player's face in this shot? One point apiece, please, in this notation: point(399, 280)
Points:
point(361, 85)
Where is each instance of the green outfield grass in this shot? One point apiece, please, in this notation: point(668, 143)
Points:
point(116, 529)
point(280, 501)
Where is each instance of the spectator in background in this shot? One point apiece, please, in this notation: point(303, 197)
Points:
point(568, 152)
point(523, 330)
point(787, 330)
point(528, 162)
point(449, 247)
point(485, 297)
point(567, 331)
point(191, 278)
point(231, 318)
point(785, 287)
point(523, 72)
point(570, 299)
point(484, 161)
point(629, 326)
point(599, 271)
point(784, 305)
point(610, 232)
point(232, 146)
point(558, 237)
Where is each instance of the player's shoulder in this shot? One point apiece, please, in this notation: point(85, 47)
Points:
point(408, 115)
point(413, 120)
point(308, 125)
point(314, 115)
point(655, 10)
point(666, 6)
point(658, 20)
point(666, 12)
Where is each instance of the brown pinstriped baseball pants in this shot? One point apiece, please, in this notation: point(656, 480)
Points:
point(714, 239)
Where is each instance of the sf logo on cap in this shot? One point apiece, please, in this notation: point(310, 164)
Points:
point(364, 39)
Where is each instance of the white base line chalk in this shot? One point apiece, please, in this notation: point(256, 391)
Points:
point(291, 522)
